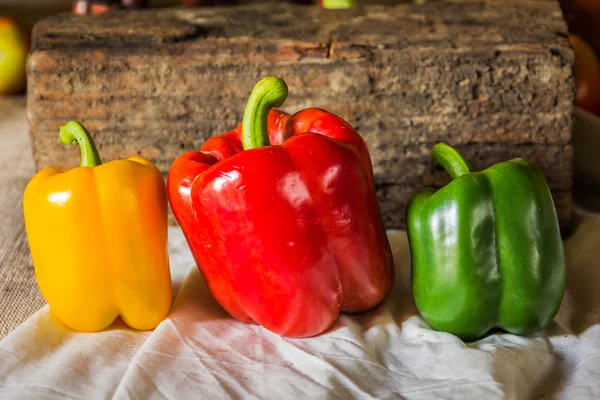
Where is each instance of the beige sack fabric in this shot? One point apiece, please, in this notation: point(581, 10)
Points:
point(19, 294)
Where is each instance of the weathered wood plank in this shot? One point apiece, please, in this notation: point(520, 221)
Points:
point(493, 77)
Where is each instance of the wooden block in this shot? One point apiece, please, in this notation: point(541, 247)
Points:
point(493, 77)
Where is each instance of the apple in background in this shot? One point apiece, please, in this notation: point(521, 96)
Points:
point(14, 46)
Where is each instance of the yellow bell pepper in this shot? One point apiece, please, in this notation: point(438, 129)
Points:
point(98, 239)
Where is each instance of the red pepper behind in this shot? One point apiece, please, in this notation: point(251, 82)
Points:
point(289, 234)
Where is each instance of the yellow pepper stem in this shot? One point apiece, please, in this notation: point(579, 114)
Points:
point(75, 133)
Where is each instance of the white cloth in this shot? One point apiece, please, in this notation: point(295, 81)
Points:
point(390, 352)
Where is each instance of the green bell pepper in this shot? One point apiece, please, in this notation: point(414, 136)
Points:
point(486, 249)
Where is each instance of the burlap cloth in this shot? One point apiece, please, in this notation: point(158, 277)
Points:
point(19, 294)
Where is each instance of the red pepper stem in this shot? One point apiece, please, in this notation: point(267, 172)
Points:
point(74, 133)
point(449, 159)
point(269, 92)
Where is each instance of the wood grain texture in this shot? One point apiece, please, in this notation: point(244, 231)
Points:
point(493, 77)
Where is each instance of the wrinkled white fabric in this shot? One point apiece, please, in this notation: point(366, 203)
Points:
point(390, 352)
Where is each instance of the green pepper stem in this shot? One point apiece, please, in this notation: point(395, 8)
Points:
point(338, 4)
point(269, 92)
point(449, 159)
point(74, 133)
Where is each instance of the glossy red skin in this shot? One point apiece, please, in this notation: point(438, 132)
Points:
point(287, 235)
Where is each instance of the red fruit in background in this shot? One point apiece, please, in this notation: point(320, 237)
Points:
point(587, 75)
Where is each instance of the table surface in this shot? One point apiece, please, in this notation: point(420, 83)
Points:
point(569, 348)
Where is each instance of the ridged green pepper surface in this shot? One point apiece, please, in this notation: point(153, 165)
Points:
point(486, 249)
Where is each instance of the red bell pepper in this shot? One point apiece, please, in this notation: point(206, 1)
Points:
point(282, 219)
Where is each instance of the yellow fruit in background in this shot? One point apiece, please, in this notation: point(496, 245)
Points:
point(14, 46)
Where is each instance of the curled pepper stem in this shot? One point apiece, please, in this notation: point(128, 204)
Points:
point(450, 160)
point(269, 92)
point(75, 133)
